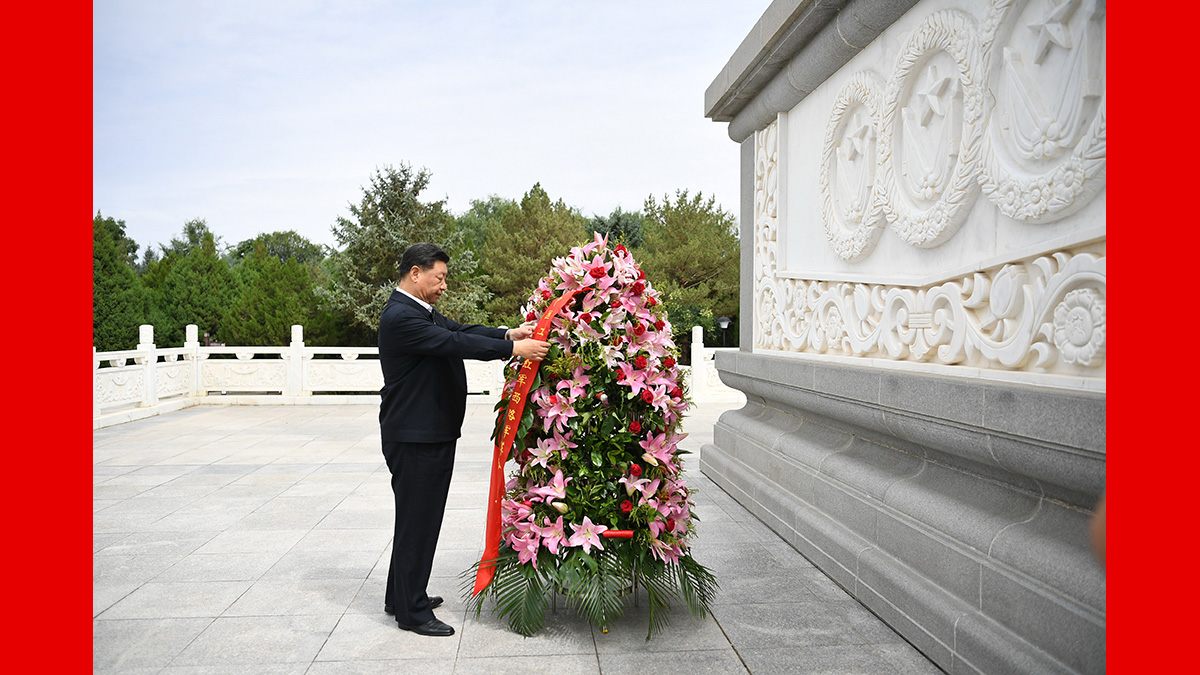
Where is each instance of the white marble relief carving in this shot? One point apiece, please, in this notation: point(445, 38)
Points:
point(118, 385)
point(851, 205)
point(331, 375)
point(173, 377)
point(1043, 314)
point(266, 375)
point(1012, 105)
point(931, 134)
point(1045, 146)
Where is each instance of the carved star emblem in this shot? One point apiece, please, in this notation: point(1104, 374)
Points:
point(855, 144)
point(1052, 29)
point(929, 99)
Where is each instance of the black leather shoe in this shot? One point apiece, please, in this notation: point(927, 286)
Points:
point(432, 627)
point(435, 601)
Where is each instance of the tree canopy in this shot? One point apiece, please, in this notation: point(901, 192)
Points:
point(521, 242)
point(119, 303)
point(388, 219)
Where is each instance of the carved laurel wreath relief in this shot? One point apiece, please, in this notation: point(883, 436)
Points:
point(1011, 107)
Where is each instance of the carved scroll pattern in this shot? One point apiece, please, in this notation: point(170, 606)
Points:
point(241, 374)
point(120, 385)
point(1014, 105)
point(173, 377)
point(1044, 314)
point(350, 375)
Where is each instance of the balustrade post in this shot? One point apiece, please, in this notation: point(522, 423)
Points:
point(293, 384)
point(148, 360)
point(191, 342)
point(95, 384)
point(698, 380)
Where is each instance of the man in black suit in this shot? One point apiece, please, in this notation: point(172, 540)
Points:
point(424, 400)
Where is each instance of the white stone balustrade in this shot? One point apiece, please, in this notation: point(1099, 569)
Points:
point(149, 380)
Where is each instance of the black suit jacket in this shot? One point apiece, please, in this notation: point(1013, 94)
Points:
point(424, 395)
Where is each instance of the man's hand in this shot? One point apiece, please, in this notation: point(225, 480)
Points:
point(520, 333)
point(534, 350)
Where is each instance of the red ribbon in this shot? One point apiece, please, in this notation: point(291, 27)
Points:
point(512, 419)
point(618, 534)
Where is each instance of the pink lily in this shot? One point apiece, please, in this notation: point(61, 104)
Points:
point(553, 535)
point(526, 548)
point(557, 489)
point(587, 535)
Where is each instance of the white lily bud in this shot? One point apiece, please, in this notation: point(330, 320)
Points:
point(559, 506)
point(650, 459)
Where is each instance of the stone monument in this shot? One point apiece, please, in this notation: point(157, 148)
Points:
point(923, 314)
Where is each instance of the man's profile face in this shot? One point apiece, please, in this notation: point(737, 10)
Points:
point(431, 283)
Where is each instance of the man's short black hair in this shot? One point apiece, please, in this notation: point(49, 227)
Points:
point(423, 255)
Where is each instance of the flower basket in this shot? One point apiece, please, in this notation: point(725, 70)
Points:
point(595, 505)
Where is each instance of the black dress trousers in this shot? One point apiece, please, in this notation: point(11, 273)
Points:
point(420, 482)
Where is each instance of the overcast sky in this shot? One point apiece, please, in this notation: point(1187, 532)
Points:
point(261, 116)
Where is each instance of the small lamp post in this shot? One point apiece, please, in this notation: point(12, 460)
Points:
point(723, 322)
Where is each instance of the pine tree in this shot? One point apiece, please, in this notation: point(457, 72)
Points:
point(692, 248)
point(520, 245)
point(118, 300)
point(198, 288)
point(388, 219)
point(274, 296)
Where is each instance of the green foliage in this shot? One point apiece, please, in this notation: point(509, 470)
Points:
point(126, 247)
point(596, 584)
point(693, 252)
point(195, 232)
point(388, 219)
point(198, 287)
point(119, 304)
point(520, 245)
point(281, 245)
point(474, 223)
point(621, 227)
point(274, 295)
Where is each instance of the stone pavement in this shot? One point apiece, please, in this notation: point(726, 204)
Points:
point(256, 539)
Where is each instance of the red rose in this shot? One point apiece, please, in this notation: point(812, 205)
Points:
point(585, 317)
point(658, 324)
point(641, 274)
point(530, 316)
point(638, 287)
point(650, 302)
point(635, 426)
point(615, 304)
point(596, 272)
point(545, 294)
point(620, 248)
point(638, 329)
point(670, 524)
point(552, 400)
point(640, 363)
point(635, 470)
point(669, 362)
point(677, 392)
point(647, 396)
point(626, 506)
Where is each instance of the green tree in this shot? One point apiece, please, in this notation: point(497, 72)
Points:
point(520, 245)
point(281, 245)
point(388, 219)
point(274, 295)
point(118, 300)
point(621, 227)
point(474, 223)
point(198, 287)
point(692, 254)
